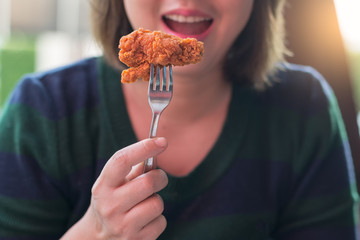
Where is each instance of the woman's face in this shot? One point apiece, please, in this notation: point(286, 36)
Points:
point(215, 22)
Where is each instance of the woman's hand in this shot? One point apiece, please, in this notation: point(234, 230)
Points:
point(123, 203)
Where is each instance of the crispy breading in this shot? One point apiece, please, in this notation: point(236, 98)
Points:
point(142, 47)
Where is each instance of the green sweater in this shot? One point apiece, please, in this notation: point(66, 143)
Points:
point(281, 168)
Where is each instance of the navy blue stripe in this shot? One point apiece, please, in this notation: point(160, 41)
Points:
point(259, 190)
point(304, 92)
point(23, 178)
point(325, 176)
point(60, 92)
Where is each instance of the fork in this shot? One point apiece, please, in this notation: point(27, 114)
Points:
point(159, 96)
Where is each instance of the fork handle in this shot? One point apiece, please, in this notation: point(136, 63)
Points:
point(150, 163)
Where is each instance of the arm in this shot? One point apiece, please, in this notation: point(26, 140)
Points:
point(32, 203)
point(34, 200)
point(322, 203)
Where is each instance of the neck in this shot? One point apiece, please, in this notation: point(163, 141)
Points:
point(195, 96)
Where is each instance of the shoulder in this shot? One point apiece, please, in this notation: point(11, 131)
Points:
point(300, 79)
point(60, 91)
point(298, 76)
point(301, 88)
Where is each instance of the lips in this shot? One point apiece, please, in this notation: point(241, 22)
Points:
point(185, 23)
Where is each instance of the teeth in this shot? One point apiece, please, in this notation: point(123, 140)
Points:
point(186, 19)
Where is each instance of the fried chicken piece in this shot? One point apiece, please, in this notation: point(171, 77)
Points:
point(134, 73)
point(141, 48)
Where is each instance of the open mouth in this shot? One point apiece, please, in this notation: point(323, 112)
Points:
point(187, 26)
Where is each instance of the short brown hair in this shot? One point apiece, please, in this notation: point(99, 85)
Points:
point(250, 60)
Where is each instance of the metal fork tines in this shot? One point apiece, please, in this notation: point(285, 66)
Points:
point(159, 96)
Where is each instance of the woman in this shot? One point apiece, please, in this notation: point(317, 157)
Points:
point(249, 147)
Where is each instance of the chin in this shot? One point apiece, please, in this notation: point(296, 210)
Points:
point(193, 71)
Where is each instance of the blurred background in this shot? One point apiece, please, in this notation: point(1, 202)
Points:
point(348, 13)
point(41, 34)
point(37, 35)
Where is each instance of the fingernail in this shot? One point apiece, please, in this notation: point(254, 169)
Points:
point(161, 142)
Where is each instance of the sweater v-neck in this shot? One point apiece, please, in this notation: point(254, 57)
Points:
point(214, 165)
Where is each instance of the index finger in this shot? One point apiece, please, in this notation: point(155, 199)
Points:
point(119, 165)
